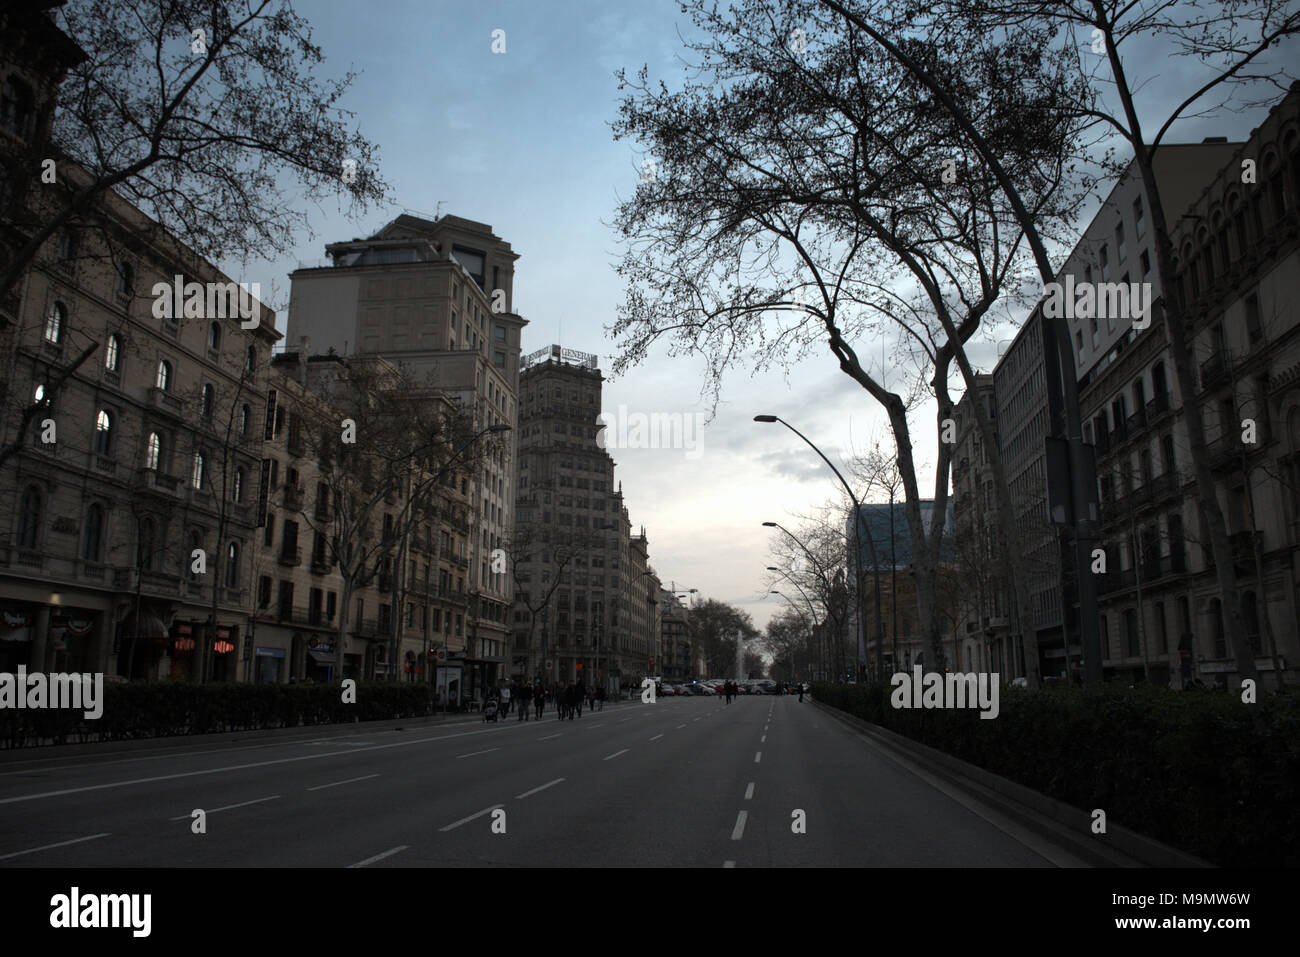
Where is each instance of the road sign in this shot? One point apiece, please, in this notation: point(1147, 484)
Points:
point(579, 665)
point(548, 664)
point(442, 654)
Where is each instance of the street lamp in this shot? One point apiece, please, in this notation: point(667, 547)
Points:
point(857, 545)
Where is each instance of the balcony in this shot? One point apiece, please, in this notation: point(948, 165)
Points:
point(1137, 421)
point(320, 565)
point(1158, 405)
point(234, 596)
point(1214, 371)
point(323, 513)
point(1243, 547)
point(151, 480)
point(1226, 451)
point(100, 463)
point(166, 403)
point(297, 447)
point(1177, 559)
point(290, 557)
point(1102, 443)
point(293, 497)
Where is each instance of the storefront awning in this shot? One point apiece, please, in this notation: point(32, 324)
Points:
point(148, 627)
point(323, 657)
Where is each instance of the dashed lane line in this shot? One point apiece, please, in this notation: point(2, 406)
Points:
point(548, 784)
point(739, 831)
point(49, 847)
point(758, 757)
point(322, 787)
point(380, 857)
point(465, 820)
point(475, 753)
point(228, 807)
point(749, 792)
point(616, 754)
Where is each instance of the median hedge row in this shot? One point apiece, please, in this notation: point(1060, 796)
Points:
point(161, 709)
point(1198, 770)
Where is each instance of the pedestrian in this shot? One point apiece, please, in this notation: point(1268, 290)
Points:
point(600, 698)
point(525, 700)
point(562, 701)
point(539, 699)
point(591, 699)
point(579, 693)
point(801, 692)
point(505, 701)
point(571, 701)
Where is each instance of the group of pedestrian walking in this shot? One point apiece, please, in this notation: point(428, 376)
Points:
point(731, 689)
point(529, 700)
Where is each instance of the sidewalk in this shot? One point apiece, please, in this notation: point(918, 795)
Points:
point(315, 732)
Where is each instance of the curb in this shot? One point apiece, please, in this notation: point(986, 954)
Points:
point(1060, 822)
point(13, 756)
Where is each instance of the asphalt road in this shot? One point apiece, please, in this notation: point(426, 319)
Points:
point(683, 782)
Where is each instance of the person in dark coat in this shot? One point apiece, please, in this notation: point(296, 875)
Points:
point(525, 700)
point(539, 699)
point(600, 698)
point(801, 692)
point(579, 693)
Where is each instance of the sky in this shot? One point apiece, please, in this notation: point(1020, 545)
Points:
point(521, 140)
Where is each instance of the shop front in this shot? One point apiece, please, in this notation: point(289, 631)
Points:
point(17, 634)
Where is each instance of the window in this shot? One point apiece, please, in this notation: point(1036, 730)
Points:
point(232, 565)
point(214, 336)
point(164, 379)
point(1105, 263)
point(153, 451)
point(499, 359)
point(196, 474)
point(67, 247)
point(144, 544)
point(245, 418)
point(126, 282)
point(17, 108)
point(55, 319)
point(103, 432)
point(1145, 260)
point(264, 592)
point(250, 360)
point(111, 352)
point(29, 517)
point(1139, 220)
point(1121, 247)
point(92, 542)
point(209, 395)
point(1254, 330)
point(237, 487)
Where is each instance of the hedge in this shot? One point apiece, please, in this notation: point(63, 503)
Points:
point(151, 709)
point(1198, 770)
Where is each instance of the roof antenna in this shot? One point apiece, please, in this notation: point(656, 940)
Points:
point(438, 213)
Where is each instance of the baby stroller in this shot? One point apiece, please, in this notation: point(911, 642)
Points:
point(490, 709)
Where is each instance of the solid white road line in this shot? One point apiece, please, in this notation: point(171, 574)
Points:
point(739, 830)
point(616, 754)
point(549, 736)
point(465, 820)
point(656, 737)
point(47, 847)
point(548, 784)
point(473, 753)
point(763, 739)
point(758, 757)
point(235, 767)
point(380, 857)
point(749, 792)
point(679, 727)
point(321, 787)
point(228, 807)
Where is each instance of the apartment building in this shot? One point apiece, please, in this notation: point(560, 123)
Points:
point(574, 540)
point(1239, 269)
point(676, 658)
point(435, 298)
point(1116, 247)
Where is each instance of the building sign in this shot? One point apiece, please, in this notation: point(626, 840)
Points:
point(559, 354)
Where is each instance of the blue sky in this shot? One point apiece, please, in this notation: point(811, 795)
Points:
point(521, 141)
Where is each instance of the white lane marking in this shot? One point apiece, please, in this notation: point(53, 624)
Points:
point(235, 767)
point(679, 727)
point(548, 784)
point(474, 753)
point(350, 744)
point(465, 820)
point(549, 736)
point(763, 739)
point(758, 757)
point(229, 807)
point(728, 863)
point(615, 754)
point(749, 792)
point(739, 830)
point(598, 724)
point(321, 787)
point(656, 737)
point(380, 857)
point(47, 847)
point(629, 718)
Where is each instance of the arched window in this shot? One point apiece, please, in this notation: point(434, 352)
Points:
point(196, 475)
point(17, 108)
point(209, 395)
point(250, 361)
point(245, 418)
point(144, 544)
point(125, 280)
point(232, 565)
point(103, 432)
point(29, 517)
point(164, 380)
point(111, 352)
point(237, 489)
point(1250, 615)
point(67, 245)
point(92, 541)
point(214, 336)
point(195, 541)
point(153, 451)
point(55, 320)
